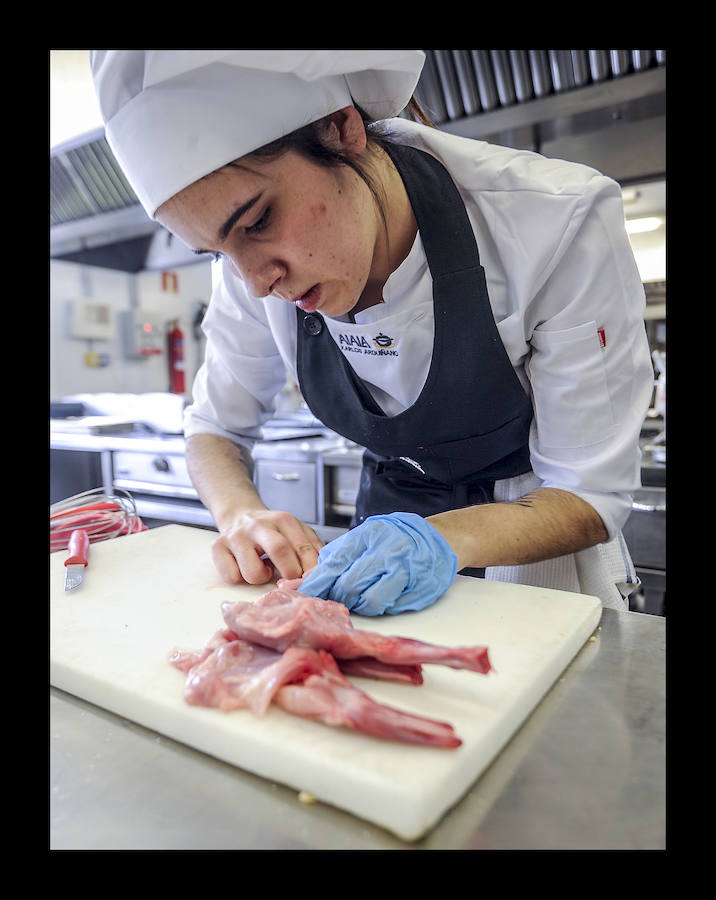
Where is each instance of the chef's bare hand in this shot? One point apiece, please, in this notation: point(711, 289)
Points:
point(261, 545)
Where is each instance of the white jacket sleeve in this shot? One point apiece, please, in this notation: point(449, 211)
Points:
point(590, 369)
point(235, 389)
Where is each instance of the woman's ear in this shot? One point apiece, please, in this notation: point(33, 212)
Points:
point(346, 131)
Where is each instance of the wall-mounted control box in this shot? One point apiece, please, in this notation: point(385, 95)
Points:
point(143, 334)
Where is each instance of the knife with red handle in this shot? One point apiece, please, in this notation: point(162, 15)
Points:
point(78, 549)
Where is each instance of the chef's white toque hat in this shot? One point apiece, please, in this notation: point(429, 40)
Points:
point(173, 116)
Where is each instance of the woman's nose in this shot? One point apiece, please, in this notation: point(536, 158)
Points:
point(259, 277)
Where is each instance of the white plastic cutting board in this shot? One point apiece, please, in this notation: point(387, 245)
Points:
point(145, 594)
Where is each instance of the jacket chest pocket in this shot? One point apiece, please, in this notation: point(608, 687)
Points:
point(569, 384)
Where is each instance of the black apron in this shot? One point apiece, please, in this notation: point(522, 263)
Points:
point(469, 426)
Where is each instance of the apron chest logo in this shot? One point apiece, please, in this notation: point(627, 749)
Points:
point(351, 340)
point(383, 344)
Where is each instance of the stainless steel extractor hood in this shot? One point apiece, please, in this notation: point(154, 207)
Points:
point(95, 216)
point(602, 108)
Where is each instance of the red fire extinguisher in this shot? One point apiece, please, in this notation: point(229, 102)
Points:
point(176, 359)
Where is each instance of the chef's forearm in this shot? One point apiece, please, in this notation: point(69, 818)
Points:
point(543, 524)
point(221, 477)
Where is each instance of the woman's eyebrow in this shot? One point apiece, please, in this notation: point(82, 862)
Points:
point(225, 229)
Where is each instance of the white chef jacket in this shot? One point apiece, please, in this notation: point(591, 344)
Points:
point(569, 305)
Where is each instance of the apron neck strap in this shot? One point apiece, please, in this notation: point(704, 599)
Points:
point(444, 226)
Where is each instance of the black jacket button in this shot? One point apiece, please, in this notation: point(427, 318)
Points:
point(313, 325)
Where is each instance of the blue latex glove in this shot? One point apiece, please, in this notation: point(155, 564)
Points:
point(388, 564)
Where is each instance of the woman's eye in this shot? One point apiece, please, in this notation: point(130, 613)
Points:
point(260, 224)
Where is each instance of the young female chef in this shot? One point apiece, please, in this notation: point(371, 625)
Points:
point(470, 314)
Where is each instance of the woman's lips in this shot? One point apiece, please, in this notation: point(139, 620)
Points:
point(310, 301)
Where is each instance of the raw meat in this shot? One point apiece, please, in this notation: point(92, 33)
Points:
point(185, 659)
point(230, 674)
point(295, 651)
point(330, 698)
point(286, 618)
point(368, 667)
point(361, 667)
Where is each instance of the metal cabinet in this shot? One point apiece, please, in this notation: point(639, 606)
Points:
point(154, 472)
point(645, 534)
point(74, 471)
point(159, 482)
point(289, 485)
point(343, 471)
point(314, 478)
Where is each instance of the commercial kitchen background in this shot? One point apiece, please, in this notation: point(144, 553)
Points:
point(119, 283)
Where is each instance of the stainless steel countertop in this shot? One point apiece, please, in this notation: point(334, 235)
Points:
point(585, 771)
point(135, 442)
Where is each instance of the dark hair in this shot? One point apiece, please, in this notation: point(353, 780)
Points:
point(308, 141)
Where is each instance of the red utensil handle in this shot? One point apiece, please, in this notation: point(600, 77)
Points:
point(78, 547)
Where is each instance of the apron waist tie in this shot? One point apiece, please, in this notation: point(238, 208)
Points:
point(457, 495)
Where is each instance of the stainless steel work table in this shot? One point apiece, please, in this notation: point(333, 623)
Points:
point(585, 771)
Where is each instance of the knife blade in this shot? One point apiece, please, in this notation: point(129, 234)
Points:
point(78, 549)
